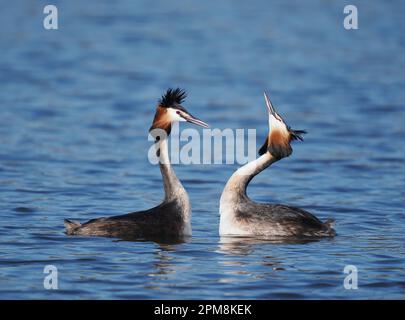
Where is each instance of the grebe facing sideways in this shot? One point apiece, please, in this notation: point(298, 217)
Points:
point(170, 219)
point(240, 216)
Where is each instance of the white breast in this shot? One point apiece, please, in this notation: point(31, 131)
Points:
point(228, 224)
point(187, 229)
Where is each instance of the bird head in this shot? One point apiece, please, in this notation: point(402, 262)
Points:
point(170, 110)
point(278, 141)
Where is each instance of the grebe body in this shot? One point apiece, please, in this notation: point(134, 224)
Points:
point(171, 218)
point(240, 216)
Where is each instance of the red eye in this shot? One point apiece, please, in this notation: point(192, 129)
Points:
point(178, 112)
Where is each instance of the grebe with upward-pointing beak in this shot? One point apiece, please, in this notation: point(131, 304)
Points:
point(240, 216)
point(172, 217)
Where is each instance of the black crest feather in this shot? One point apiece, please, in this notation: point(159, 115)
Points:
point(296, 134)
point(172, 97)
point(264, 147)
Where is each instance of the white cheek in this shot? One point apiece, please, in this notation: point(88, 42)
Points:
point(276, 124)
point(174, 116)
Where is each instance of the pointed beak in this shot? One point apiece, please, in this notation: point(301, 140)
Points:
point(269, 105)
point(189, 118)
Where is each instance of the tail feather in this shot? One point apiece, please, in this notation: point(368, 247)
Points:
point(71, 226)
point(330, 222)
point(329, 226)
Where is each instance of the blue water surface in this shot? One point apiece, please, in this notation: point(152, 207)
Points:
point(75, 108)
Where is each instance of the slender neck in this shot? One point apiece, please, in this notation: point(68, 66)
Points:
point(173, 187)
point(237, 184)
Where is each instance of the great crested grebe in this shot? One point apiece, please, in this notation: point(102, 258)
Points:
point(172, 217)
point(240, 216)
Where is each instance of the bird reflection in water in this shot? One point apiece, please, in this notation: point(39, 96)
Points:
point(237, 248)
point(163, 265)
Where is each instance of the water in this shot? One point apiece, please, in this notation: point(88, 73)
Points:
point(76, 105)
